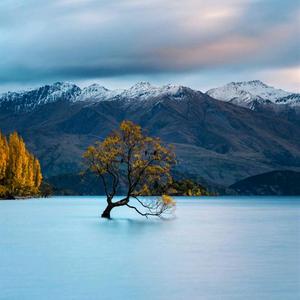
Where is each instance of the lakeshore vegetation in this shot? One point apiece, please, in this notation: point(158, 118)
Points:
point(20, 171)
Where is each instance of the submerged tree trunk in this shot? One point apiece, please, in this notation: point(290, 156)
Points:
point(106, 212)
point(111, 205)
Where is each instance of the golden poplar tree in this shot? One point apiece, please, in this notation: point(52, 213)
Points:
point(20, 172)
point(37, 173)
point(4, 155)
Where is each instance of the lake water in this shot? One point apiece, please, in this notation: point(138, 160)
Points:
point(216, 248)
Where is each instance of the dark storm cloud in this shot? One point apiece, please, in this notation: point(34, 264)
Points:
point(76, 39)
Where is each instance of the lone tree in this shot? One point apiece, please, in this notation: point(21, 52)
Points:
point(140, 163)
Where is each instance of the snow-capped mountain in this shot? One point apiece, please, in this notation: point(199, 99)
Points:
point(140, 91)
point(251, 93)
point(29, 100)
point(144, 91)
point(96, 92)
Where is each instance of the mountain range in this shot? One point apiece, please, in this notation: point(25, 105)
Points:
point(246, 94)
point(220, 137)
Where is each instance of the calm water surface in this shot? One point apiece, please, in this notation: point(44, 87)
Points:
point(216, 248)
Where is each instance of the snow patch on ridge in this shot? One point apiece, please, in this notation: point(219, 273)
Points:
point(249, 93)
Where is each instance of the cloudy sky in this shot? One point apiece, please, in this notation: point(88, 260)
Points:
point(198, 43)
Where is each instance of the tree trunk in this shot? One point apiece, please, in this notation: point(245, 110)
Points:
point(106, 212)
point(10, 197)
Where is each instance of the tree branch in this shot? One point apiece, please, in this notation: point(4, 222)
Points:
point(141, 213)
point(121, 202)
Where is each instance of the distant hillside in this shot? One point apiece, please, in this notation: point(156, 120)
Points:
point(270, 183)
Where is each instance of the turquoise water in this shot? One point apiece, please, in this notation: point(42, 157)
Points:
point(215, 248)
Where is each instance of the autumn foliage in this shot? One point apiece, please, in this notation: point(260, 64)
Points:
point(20, 172)
point(138, 162)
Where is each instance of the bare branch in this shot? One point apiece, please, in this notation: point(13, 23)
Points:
point(142, 214)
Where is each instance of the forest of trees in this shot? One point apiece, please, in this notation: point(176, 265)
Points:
point(20, 172)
